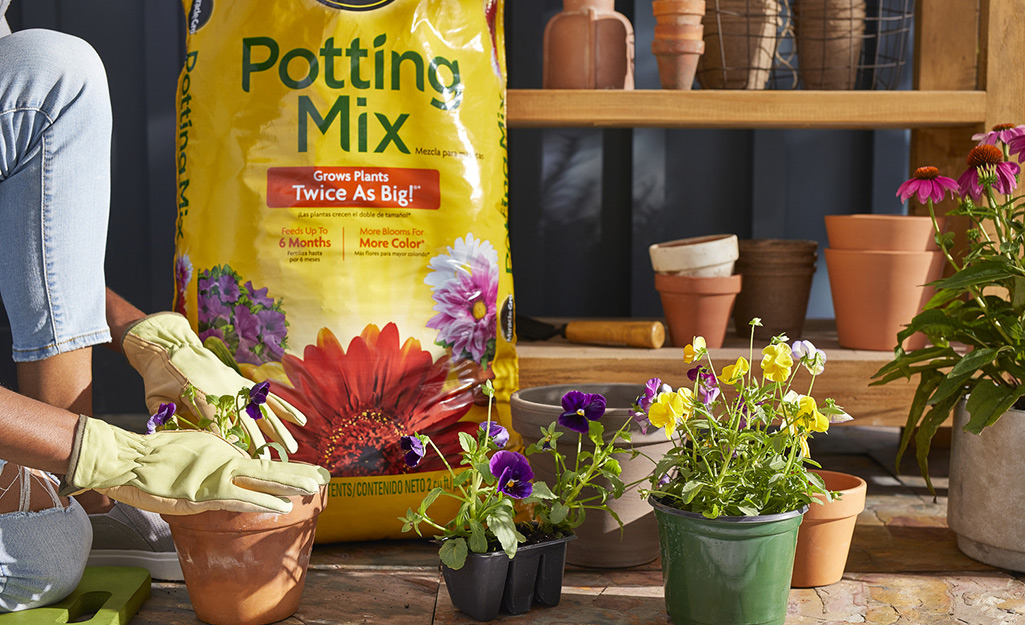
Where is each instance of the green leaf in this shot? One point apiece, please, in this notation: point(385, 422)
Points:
point(982, 273)
point(541, 491)
point(461, 478)
point(558, 513)
point(478, 540)
point(987, 403)
point(430, 498)
point(484, 469)
point(467, 442)
point(453, 553)
point(596, 432)
point(974, 360)
point(501, 524)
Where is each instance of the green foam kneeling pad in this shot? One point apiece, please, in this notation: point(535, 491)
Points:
point(113, 593)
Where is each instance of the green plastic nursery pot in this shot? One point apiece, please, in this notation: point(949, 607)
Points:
point(732, 570)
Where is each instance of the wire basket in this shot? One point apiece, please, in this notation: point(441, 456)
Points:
point(810, 44)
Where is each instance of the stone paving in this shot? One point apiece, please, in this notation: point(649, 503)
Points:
point(904, 568)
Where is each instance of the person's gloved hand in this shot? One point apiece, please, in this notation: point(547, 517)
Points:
point(169, 356)
point(182, 472)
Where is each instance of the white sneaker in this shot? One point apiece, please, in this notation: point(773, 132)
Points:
point(127, 536)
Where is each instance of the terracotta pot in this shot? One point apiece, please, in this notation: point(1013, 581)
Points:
point(246, 568)
point(877, 293)
point(679, 31)
point(777, 284)
point(740, 43)
point(824, 539)
point(600, 543)
point(697, 306)
point(677, 61)
point(711, 256)
point(828, 38)
point(588, 45)
point(911, 233)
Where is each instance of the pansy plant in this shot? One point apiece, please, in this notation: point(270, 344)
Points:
point(489, 479)
point(740, 435)
point(587, 482)
point(229, 411)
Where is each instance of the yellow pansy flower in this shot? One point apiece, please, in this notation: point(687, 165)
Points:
point(669, 408)
point(693, 351)
point(777, 362)
point(808, 413)
point(732, 373)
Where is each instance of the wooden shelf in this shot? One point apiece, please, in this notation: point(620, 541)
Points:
point(845, 379)
point(715, 108)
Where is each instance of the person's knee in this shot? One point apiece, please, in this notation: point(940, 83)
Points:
point(57, 70)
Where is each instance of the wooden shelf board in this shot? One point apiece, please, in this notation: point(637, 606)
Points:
point(846, 377)
point(717, 108)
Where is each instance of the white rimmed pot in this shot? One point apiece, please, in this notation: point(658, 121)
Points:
point(708, 256)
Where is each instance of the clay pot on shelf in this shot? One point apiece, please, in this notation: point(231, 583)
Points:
point(777, 284)
point(877, 292)
point(709, 256)
point(600, 543)
point(588, 45)
point(740, 43)
point(828, 39)
point(697, 306)
point(879, 268)
point(677, 61)
point(687, 12)
point(246, 568)
point(909, 233)
point(824, 540)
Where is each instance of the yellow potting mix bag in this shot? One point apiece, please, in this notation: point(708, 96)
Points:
point(342, 227)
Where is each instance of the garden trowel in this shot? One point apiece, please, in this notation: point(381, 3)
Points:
point(649, 334)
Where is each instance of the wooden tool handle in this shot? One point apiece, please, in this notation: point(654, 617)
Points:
point(650, 334)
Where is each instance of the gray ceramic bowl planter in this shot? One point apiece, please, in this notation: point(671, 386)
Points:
point(600, 542)
point(490, 582)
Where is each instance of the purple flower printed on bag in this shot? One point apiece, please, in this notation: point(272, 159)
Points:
point(251, 324)
point(465, 290)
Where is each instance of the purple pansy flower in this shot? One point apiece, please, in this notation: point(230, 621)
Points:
point(413, 450)
point(257, 396)
point(513, 473)
point(499, 435)
point(165, 412)
point(579, 408)
point(708, 386)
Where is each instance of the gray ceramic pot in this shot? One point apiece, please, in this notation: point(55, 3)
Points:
point(599, 541)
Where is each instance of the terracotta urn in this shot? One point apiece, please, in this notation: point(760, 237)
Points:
point(824, 540)
point(697, 306)
point(246, 568)
point(588, 45)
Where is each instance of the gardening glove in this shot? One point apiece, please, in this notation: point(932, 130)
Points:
point(169, 356)
point(182, 472)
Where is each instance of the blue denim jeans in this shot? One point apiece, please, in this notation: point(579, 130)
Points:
point(55, 126)
point(42, 553)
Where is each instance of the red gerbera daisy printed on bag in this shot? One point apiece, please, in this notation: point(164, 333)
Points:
point(360, 402)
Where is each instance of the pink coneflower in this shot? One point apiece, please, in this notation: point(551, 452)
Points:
point(1001, 133)
point(988, 161)
point(1016, 147)
point(927, 184)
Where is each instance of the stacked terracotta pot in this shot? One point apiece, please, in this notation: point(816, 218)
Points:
point(679, 41)
point(879, 270)
point(695, 280)
point(777, 284)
